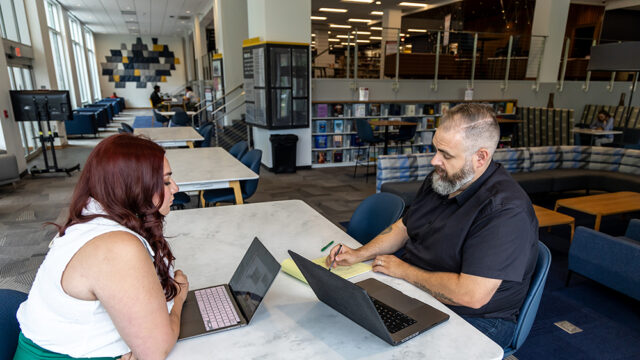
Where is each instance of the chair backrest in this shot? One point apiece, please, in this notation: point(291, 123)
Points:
point(633, 230)
point(252, 159)
point(10, 300)
point(159, 117)
point(206, 131)
point(126, 127)
point(239, 149)
point(373, 215)
point(180, 118)
point(408, 131)
point(364, 130)
point(529, 308)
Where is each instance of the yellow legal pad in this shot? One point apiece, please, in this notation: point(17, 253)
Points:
point(346, 272)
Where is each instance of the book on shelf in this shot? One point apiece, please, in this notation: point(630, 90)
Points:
point(322, 110)
point(426, 137)
point(347, 156)
point(320, 141)
point(499, 107)
point(337, 157)
point(347, 126)
point(337, 141)
point(396, 109)
point(431, 123)
point(374, 109)
point(410, 110)
point(338, 126)
point(337, 110)
point(509, 108)
point(321, 126)
point(437, 121)
point(355, 140)
point(321, 157)
point(430, 109)
point(444, 107)
point(346, 141)
point(359, 110)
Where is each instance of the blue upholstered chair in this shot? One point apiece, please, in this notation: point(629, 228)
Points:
point(127, 128)
point(206, 131)
point(373, 215)
point(529, 308)
point(365, 133)
point(252, 160)
point(159, 117)
point(406, 133)
point(180, 118)
point(239, 149)
point(10, 300)
point(609, 260)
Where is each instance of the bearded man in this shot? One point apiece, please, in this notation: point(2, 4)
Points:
point(470, 236)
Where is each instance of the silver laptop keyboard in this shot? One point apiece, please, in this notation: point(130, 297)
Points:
point(216, 308)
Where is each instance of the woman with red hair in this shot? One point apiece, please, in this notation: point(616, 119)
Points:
point(107, 288)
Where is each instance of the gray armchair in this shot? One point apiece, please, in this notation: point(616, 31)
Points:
point(8, 168)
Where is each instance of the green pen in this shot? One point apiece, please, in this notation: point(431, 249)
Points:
point(326, 246)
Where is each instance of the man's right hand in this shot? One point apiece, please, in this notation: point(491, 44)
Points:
point(346, 257)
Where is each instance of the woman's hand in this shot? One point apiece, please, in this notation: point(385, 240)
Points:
point(183, 284)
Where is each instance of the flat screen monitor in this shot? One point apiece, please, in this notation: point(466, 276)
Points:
point(34, 105)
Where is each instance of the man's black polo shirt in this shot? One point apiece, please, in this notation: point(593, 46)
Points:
point(489, 230)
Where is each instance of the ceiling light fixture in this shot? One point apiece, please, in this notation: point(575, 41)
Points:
point(375, 37)
point(405, 3)
point(340, 26)
point(362, 32)
point(360, 20)
point(364, 41)
point(342, 36)
point(417, 30)
point(359, 1)
point(333, 10)
point(376, 13)
point(375, 28)
point(318, 18)
point(334, 40)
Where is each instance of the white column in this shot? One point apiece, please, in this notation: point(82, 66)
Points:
point(550, 20)
point(391, 24)
point(8, 127)
point(188, 58)
point(230, 22)
point(287, 21)
point(197, 47)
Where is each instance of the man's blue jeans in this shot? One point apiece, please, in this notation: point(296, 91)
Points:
point(499, 330)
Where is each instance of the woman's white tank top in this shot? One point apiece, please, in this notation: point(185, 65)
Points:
point(63, 324)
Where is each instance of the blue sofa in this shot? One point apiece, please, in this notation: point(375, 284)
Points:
point(83, 123)
point(611, 261)
point(107, 106)
point(540, 169)
point(102, 115)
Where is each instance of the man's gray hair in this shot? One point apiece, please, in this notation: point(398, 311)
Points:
point(478, 125)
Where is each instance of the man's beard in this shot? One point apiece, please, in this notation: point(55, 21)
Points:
point(445, 185)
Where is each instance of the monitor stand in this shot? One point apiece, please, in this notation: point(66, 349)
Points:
point(48, 169)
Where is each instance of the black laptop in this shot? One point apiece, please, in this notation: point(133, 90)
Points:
point(232, 305)
point(384, 311)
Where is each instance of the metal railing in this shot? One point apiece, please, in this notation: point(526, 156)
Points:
point(431, 54)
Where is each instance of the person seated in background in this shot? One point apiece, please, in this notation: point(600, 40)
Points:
point(604, 121)
point(190, 98)
point(107, 287)
point(470, 238)
point(114, 96)
point(155, 98)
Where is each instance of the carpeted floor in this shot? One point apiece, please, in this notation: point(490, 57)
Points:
point(610, 321)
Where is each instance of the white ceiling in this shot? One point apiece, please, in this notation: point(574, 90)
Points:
point(150, 17)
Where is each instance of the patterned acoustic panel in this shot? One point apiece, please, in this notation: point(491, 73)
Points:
point(139, 65)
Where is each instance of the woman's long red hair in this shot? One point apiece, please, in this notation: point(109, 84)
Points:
point(123, 173)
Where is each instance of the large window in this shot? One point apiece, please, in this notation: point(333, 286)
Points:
point(14, 24)
point(91, 58)
point(54, 21)
point(81, 64)
point(20, 78)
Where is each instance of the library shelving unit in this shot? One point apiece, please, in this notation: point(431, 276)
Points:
point(334, 138)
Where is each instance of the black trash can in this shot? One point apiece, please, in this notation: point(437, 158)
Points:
point(283, 149)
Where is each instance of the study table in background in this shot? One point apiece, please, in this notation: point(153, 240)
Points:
point(292, 323)
point(603, 204)
point(593, 133)
point(171, 137)
point(208, 168)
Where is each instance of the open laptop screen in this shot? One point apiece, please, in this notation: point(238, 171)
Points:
point(253, 277)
